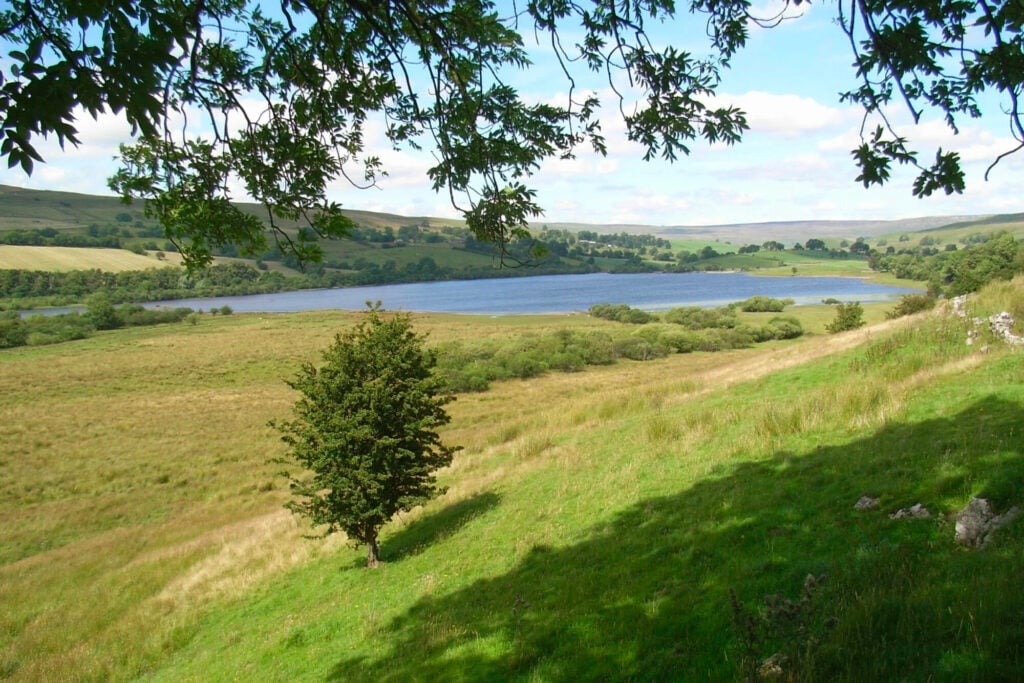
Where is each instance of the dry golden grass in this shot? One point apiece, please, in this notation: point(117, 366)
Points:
point(62, 259)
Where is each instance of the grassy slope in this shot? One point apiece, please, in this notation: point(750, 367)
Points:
point(593, 527)
point(63, 259)
point(27, 209)
point(952, 234)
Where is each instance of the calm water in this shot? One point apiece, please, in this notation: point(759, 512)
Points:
point(559, 293)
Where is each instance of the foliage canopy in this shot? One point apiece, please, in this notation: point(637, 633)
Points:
point(849, 316)
point(275, 97)
point(365, 429)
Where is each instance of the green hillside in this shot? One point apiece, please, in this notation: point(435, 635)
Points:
point(962, 232)
point(22, 208)
point(596, 527)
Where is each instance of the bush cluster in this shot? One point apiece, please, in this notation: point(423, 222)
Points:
point(910, 304)
point(469, 367)
point(40, 330)
point(472, 367)
point(621, 313)
point(763, 304)
point(718, 337)
point(696, 318)
point(848, 317)
point(704, 329)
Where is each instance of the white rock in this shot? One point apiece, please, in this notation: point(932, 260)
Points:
point(866, 503)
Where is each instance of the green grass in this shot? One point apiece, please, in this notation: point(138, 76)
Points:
point(952, 234)
point(594, 526)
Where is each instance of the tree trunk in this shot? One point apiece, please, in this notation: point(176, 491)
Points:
point(372, 553)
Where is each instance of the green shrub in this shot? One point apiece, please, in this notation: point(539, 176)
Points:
point(681, 341)
point(566, 361)
point(596, 348)
point(848, 317)
point(784, 327)
point(696, 318)
point(621, 313)
point(13, 332)
point(638, 348)
point(763, 304)
point(910, 304)
point(101, 312)
point(465, 381)
point(739, 337)
point(524, 366)
point(653, 333)
point(135, 315)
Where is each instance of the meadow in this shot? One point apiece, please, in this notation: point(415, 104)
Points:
point(595, 527)
point(64, 259)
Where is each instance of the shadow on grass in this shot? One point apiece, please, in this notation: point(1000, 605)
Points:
point(646, 595)
point(429, 529)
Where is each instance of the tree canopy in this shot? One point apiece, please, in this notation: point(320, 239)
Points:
point(274, 96)
point(364, 430)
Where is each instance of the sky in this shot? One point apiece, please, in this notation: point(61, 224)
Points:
point(793, 165)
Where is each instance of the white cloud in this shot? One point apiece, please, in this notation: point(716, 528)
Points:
point(783, 115)
point(771, 12)
point(586, 164)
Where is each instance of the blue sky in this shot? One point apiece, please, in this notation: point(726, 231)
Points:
point(793, 164)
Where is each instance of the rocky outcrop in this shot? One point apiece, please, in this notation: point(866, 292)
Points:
point(866, 503)
point(1000, 324)
point(976, 523)
point(915, 511)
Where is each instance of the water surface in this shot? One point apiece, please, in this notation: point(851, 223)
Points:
point(559, 293)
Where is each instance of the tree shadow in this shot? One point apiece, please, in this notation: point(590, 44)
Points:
point(646, 595)
point(429, 529)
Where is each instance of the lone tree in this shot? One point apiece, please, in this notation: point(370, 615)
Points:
point(364, 430)
point(275, 95)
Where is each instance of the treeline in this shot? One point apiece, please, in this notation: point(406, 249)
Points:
point(959, 271)
point(588, 244)
point(41, 288)
point(48, 237)
point(624, 239)
point(39, 330)
point(32, 289)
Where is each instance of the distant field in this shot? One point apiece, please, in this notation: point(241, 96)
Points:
point(955, 233)
point(62, 259)
point(822, 265)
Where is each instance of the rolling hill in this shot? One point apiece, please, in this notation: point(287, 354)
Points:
point(27, 209)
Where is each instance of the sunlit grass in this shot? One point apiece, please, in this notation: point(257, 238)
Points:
point(593, 524)
point(63, 259)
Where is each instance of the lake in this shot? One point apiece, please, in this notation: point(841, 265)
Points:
point(559, 293)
